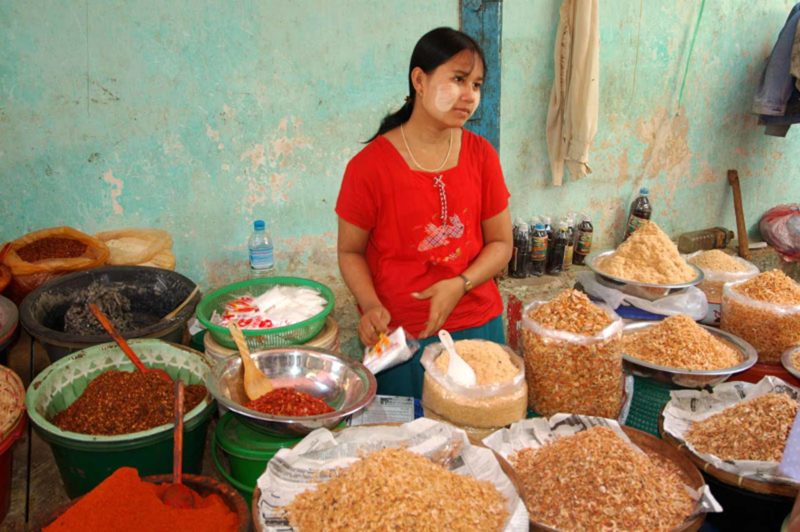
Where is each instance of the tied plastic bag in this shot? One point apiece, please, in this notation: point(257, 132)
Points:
point(691, 301)
point(780, 228)
point(390, 351)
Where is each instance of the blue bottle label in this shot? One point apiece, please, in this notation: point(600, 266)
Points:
point(261, 258)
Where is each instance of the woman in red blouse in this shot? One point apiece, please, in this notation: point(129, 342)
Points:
point(423, 212)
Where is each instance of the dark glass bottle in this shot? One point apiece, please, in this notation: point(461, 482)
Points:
point(570, 248)
point(640, 211)
point(583, 241)
point(521, 253)
point(555, 260)
point(538, 256)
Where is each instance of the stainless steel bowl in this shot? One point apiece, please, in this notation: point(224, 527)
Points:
point(649, 291)
point(786, 360)
point(688, 378)
point(346, 385)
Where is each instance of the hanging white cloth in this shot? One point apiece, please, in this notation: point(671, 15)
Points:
point(572, 116)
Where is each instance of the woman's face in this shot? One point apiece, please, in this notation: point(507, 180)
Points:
point(451, 93)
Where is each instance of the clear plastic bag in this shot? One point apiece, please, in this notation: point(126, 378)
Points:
point(476, 409)
point(690, 301)
point(714, 280)
point(573, 373)
point(769, 327)
point(390, 351)
point(143, 247)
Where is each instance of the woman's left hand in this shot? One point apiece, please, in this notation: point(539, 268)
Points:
point(444, 296)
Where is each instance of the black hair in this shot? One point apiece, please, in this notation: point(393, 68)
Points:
point(433, 49)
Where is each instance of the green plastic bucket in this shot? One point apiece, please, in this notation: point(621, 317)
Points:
point(247, 452)
point(84, 460)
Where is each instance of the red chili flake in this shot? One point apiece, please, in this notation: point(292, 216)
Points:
point(289, 402)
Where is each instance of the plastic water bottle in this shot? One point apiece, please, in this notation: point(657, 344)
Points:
point(262, 261)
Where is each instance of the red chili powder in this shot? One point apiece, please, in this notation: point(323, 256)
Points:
point(123, 503)
point(289, 402)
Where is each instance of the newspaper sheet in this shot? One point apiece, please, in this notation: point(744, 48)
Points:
point(688, 406)
point(295, 470)
point(537, 432)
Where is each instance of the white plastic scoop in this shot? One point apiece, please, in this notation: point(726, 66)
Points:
point(457, 369)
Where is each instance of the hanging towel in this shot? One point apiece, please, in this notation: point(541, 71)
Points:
point(572, 116)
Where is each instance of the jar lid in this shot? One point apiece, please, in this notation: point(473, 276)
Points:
point(238, 439)
point(12, 400)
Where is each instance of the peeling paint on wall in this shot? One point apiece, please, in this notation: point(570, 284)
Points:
point(116, 191)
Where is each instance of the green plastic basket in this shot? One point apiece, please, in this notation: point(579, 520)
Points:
point(296, 334)
point(649, 398)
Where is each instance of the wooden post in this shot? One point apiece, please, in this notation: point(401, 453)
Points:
point(741, 229)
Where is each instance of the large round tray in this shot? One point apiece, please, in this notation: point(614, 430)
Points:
point(786, 360)
point(688, 378)
point(649, 291)
point(650, 445)
point(726, 477)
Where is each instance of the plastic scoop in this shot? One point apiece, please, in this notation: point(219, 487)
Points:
point(112, 331)
point(457, 369)
point(177, 494)
point(256, 383)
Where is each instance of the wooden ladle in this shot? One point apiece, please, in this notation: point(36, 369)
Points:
point(256, 383)
point(112, 331)
point(177, 494)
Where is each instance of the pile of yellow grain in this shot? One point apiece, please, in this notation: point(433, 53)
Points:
point(594, 480)
point(489, 360)
point(647, 256)
point(756, 429)
point(395, 489)
point(679, 342)
point(716, 260)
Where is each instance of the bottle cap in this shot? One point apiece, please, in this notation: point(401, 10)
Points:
point(259, 225)
point(523, 227)
point(539, 227)
point(644, 191)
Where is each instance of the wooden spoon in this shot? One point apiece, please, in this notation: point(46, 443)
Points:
point(177, 494)
point(112, 331)
point(256, 383)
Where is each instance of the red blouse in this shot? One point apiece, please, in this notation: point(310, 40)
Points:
point(408, 248)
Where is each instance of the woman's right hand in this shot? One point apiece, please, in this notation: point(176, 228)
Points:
point(375, 320)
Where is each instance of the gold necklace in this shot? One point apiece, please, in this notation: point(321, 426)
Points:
point(414, 160)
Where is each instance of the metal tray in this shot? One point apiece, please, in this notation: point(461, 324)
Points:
point(786, 360)
point(687, 378)
point(649, 291)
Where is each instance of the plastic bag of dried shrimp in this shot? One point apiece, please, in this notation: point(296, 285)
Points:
point(499, 397)
point(769, 327)
point(573, 356)
point(718, 269)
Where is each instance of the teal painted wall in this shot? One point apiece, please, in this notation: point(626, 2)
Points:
point(644, 137)
point(199, 117)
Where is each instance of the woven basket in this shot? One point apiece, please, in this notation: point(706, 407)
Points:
point(298, 333)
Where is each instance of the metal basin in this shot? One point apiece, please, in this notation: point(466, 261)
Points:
point(346, 385)
point(688, 378)
point(649, 291)
point(786, 360)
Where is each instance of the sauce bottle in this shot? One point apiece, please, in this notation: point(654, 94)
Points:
point(569, 250)
point(520, 256)
point(640, 211)
point(555, 260)
point(583, 244)
point(538, 250)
